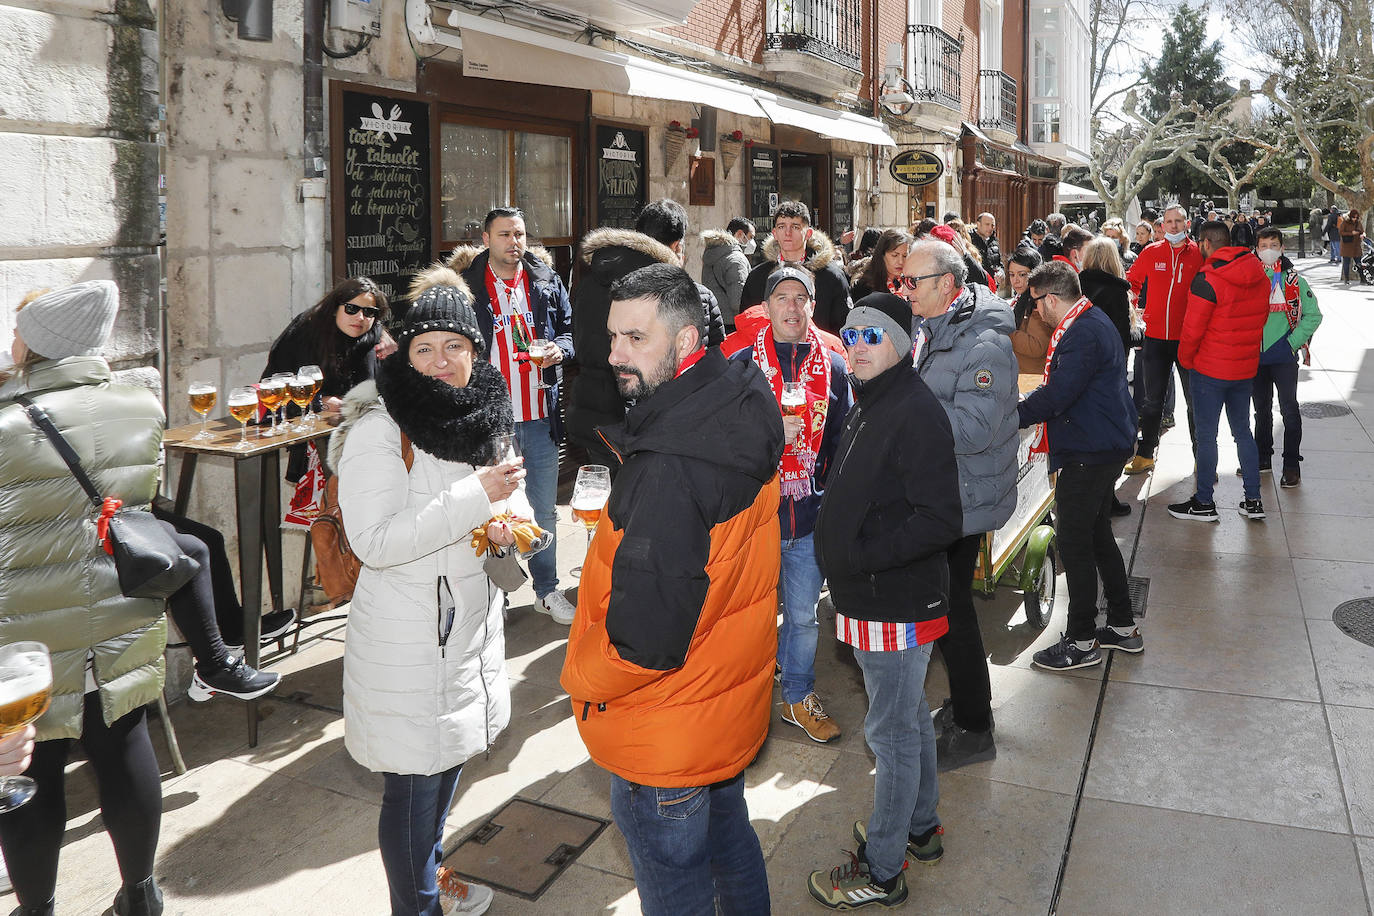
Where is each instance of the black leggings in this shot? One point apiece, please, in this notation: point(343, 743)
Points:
point(200, 607)
point(130, 803)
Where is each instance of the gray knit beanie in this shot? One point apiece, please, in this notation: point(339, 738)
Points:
point(886, 311)
point(73, 321)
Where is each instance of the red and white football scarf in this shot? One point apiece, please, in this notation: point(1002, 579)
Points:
point(798, 465)
point(1040, 443)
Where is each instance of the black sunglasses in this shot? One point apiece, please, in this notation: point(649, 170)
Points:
point(368, 311)
point(871, 336)
point(910, 282)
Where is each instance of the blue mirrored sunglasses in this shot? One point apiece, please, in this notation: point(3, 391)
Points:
point(871, 336)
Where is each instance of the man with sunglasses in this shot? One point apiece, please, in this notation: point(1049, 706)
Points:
point(891, 509)
point(1086, 426)
point(963, 351)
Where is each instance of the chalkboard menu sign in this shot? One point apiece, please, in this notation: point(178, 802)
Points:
point(383, 156)
point(842, 196)
point(764, 183)
point(622, 174)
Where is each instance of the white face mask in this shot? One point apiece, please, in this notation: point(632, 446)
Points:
point(749, 247)
point(1270, 256)
point(1176, 237)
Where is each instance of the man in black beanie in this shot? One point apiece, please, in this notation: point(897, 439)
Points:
point(891, 509)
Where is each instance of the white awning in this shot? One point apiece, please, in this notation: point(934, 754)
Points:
point(841, 125)
point(1073, 194)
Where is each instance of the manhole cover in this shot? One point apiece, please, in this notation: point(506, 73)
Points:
point(1321, 410)
point(1139, 587)
point(1356, 619)
point(524, 847)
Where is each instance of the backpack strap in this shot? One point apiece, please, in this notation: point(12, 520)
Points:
point(407, 451)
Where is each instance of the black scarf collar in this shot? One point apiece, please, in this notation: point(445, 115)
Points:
point(455, 424)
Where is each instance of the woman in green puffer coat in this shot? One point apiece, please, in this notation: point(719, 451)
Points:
point(57, 586)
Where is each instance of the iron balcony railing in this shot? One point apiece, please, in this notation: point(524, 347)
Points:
point(829, 29)
point(999, 101)
point(935, 65)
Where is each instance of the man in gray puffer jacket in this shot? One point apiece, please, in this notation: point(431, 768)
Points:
point(725, 265)
point(964, 354)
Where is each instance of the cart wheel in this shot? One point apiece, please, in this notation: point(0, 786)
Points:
point(1039, 600)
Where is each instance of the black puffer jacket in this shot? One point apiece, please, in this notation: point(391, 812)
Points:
point(989, 250)
point(832, 284)
point(1111, 294)
point(891, 504)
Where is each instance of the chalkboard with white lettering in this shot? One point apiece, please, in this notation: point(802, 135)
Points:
point(385, 165)
point(842, 196)
point(765, 179)
point(622, 174)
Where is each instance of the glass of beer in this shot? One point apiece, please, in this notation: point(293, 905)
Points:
point(590, 492)
point(316, 376)
point(243, 404)
point(271, 394)
point(793, 399)
point(203, 396)
point(541, 350)
point(25, 689)
point(301, 391)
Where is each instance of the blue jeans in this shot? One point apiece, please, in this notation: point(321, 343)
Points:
point(899, 730)
point(800, 591)
point(1335, 250)
point(541, 486)
point(410, 835)
point(1210, 395)
point(692, 848)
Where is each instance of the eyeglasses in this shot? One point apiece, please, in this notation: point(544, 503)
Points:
point(871, 336)
point(367, 310)
point(1036, 299)
point(910, 282)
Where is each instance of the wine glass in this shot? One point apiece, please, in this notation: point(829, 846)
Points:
point(540, 350)
point(203, 396)
point(270, 394)
point(301, 390)
point(316, 376)
point(243, 404)
point(25, 690)
point(590, 492)
point(505, 447)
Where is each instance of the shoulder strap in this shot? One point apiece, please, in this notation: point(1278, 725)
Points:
point(407, 451)
point(40, 418)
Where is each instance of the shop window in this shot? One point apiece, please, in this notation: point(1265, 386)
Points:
point(485, 166)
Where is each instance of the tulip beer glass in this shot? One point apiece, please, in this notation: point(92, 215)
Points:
point(25, 690)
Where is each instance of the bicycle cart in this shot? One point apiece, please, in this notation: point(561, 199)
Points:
point(1022, 550)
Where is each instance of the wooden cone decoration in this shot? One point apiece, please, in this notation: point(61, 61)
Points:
point(672, 147)
point(729, 152)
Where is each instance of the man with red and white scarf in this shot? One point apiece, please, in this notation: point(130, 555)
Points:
point(1086, 426)
point(790, 353)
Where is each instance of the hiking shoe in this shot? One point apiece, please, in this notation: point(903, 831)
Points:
point(810, 717)
point(557, 606)
point(235, 679)
point(1290, 479)
point(943, 717)
point(957, 747)
point(1252, 509)
point(849, 886)
point(1107, 638)
point(274, 626)
point(926, 849)
point(1065, 655)
point(1138, 465)
point(459, 896)
point(1194, 511)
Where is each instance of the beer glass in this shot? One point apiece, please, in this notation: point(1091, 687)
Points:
point(25, 689)
point(590, 492)
point(271, 392)
point(301, 391)
point(243, 403)
point(541, 350)
point(793, 399)
point(203, 396)
point(280, 423)
point(316, 376)
point(506, 447)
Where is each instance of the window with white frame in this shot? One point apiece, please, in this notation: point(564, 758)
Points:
point(990, 35)
point(926, 12)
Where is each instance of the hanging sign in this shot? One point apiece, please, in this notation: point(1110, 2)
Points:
point(916, 167)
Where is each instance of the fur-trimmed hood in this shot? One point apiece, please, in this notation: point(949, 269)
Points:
point(464, 255)
point(713, 238)
point(820, 251)
point(360, 399)
point(596, 247)
point(855, 269)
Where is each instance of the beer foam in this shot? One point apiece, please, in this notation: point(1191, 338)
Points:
point(21, 678)
point(589, 503)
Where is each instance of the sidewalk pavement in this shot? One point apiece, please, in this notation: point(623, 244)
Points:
point(1228, 769)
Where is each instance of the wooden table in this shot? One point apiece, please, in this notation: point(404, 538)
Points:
point(257, 502)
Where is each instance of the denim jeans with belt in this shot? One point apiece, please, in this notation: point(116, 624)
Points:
point(899, 730)
point(800, 591)
point(541, 486)
point(410, 835)
point(1210, 396)
point(692, 849)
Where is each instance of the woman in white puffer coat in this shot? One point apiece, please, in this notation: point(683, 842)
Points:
point(425, 685)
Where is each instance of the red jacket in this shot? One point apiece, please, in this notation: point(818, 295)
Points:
point(1169, 272)
point(1227, 307)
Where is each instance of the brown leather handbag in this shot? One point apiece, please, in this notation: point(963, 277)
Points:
point(336, 565)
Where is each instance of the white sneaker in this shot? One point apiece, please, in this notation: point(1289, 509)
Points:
point(557, 606)
point(457, 896)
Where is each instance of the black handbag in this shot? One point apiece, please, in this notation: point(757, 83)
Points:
point(149, 562)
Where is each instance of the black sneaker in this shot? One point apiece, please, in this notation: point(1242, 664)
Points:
point(1120, 509)
point(849, 886)
point(1107, 638)
point(235, 679)
point(1264, 468)
point(1252, 509)
point(1194, 511)
point(957, 747)
point(274, 626)
point(926, 849)
point(943, 717)
point(1065, 655)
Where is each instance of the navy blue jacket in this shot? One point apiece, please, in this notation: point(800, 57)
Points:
point(548, 301)
point(798, 516)
point(1087, 406)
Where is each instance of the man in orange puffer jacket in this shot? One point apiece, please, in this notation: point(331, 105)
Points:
point(1228, 304)
point(670, 657)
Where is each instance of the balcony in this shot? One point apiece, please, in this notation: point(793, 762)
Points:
point(998, 111)
point(935, 65)
point(814, 44)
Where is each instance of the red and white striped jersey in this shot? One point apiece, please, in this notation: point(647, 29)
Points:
point(513, 328)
